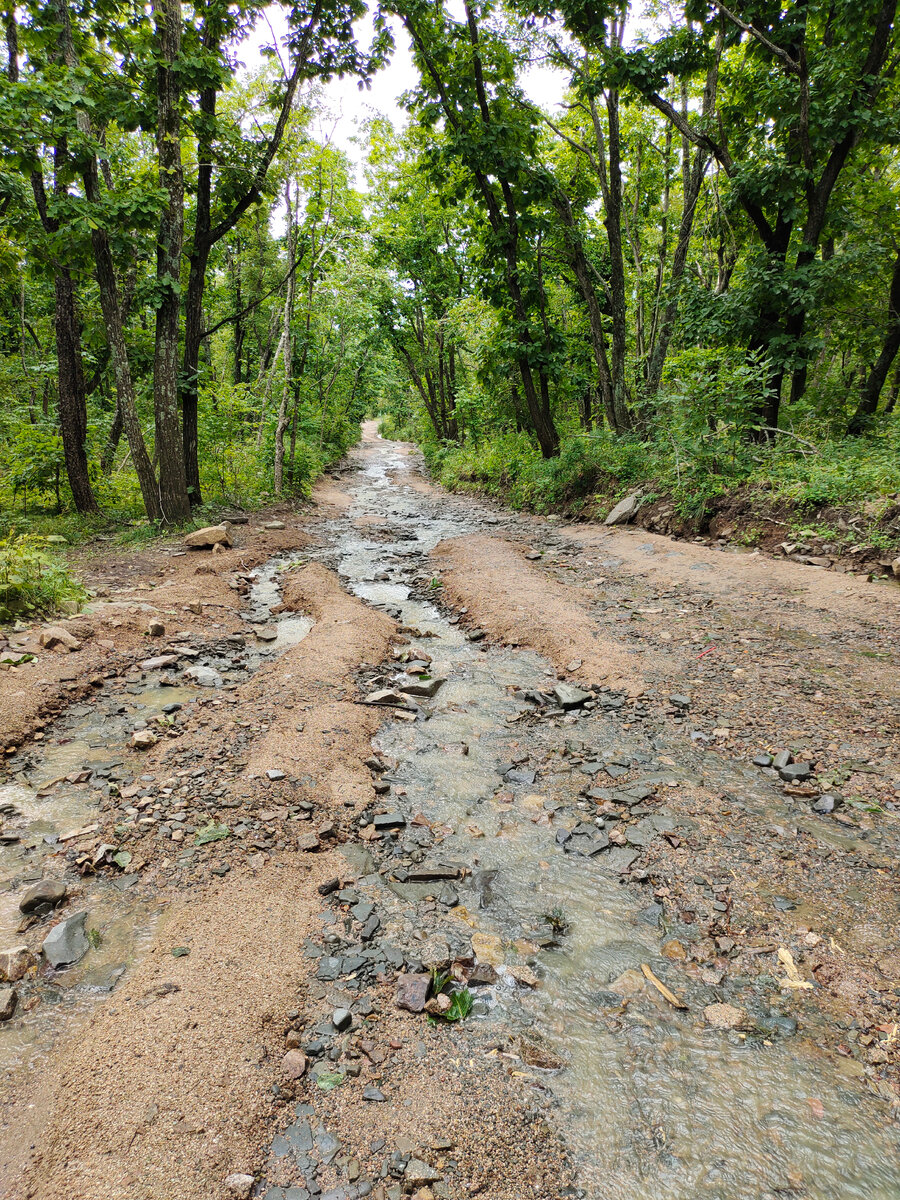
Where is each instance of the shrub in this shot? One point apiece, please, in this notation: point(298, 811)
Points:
point(31, 580)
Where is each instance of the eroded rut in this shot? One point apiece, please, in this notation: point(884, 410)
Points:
point(495, 846)
point(483, 849)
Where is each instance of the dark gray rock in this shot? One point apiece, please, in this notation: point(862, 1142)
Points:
point(795, 772)
point(67, 942)
point(48, 891)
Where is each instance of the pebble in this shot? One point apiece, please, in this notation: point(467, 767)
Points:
point(341, 1019)
point(9, 998)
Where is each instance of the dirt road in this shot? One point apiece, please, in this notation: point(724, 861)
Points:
point(683, 964)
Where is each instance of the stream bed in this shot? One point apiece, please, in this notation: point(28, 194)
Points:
point(652, 1101)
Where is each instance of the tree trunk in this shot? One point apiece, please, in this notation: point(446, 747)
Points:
point(175, 502)
point(870, 392)
point(282, 422)
point(72, 406)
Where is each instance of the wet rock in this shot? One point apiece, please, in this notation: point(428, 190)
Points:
point(624, 510)
point(569, 696)
point(674, 950)
point(143, 739)
point(385, 821)
point(523, 975)
point(67, 942)
point(159, 663)
point(724, 1016)
point(9, 998)
point(212, 535)
point(293, 1063)
point(204, 676)
point(14, 963)
point(412, 992)
point(156, 629)
point(386, 696)
point(629, 983)
point(422, 687)
point(48, 891)
point(56, 635)
point(239, 1186)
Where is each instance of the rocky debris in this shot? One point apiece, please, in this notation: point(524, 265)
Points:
point(9, 998)
point(419, 1173)
point(624, 510)
point(412, 992)
point(14, 963)
point(143, 739)
point(48, 892)
point(568, 696)
point(67, 942)
point(293, 1064)
point(159, 662)
point(212, 535)
point(56, 636)
point(205, 677)
point(724, 1016)
point(239, 1186)
point(156, 629)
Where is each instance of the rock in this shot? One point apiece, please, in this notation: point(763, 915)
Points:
point(385, 821)
point(523, 975)
point(274, 773)
point(342, 1019)
point(422, 687)
point(437, 1006)
point(724, 1016)
point(48, 891)
point(274, 525)
point(762, 760)
point(386, 696)
point(239, 1186)
point(156, 629)
point(14, 963)
point(488, 948)
point(55, 635)
point(294, 1064)
point(143, 739)
point(266, 633)
point(781, 759)
point(674, 950)
point(9, 998)
point(629, 983)
point(66, 942)
point(568, 696)
point(418, 1173)
point(159, 663)
point(212, 535)
point(826, 803)
point(373, 1094)
point(683, 702)
point(309, 842)
point(795, 772)
point(895, 567)
point(412, 992)
point(204, 677)
point(624, 510)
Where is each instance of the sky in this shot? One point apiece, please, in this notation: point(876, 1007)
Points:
point(349, 107)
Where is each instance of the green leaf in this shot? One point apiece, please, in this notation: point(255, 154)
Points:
point(180, 951)
point(329, 1080)
point(122, 859)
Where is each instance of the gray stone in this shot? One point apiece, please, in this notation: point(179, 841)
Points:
point(781, 759)
point(680, 701)
point(204, 676)
point(9, 998)
point(159, 663)
point(422, 687)
point(373, 1094)
point(412, 992)
point(48, 891)
point(569, 696)
point(762, 760)
point(267, 633)
point(239, 1186)
point(826, 803)
point(275, 774)
point(418, 1173)
point(67, 942)
point(274, 525)
point(795, 772)
point(341, 1019)
point(386, 696)
point(624, 510)
point(389, 821)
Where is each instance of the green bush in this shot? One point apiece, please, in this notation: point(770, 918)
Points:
point(31, 580)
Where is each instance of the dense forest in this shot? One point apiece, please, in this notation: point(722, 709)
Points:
point(685, 276)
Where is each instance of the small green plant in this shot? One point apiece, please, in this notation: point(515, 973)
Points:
point(32, 581)
point(329, 1080)
point(211, 833)
point(461, 999)
point(94, 937)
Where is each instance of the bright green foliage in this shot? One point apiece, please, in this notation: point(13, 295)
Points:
point(32, 580)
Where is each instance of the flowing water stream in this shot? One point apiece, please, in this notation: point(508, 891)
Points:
point(652, 1100)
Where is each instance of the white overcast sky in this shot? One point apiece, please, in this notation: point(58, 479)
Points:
point(348, 107)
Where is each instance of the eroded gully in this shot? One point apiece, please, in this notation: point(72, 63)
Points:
point(651, 1099)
